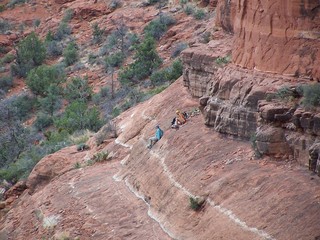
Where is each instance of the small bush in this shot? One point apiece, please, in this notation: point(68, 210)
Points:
point(199, 14)
point(114, 60)
point(54, 48)
point(7, 58)
point(12, 3)
point(189, 9)
point(178, 48)
point(62, 31)
point(97, 33)
point(115, 112)
point(223, 60)
point(146, 61)
point(82, 147)
point(31, 53)
point(157, 28)
point(78, 89)
point(68, 15)
point(36, 23)
point(76, 166)
point(80, 137)
point(104, 92)
point(52, 101)
point(23, 104)
point(41, 78)
point(4, 26)
point(311, 95)
point(6, 82)
point(70, 54)
point(101, 156)
point(167, 74)
point(107, 131)
point(2, 8)
point(3, 50)
point(92, 59)
point(77, 116)
point(43, 121)
point(115, 4)
point(196, 203)
point(253, 140)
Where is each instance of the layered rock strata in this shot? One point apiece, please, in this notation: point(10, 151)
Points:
point(277, 36)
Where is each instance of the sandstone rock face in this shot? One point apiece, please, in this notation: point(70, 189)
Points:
point(277, 36)
point(272, 141)
point(200, 63)
point(54, 165)
point(226, 12)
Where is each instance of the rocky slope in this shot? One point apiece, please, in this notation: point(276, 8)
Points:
point(244, 198)
point(145, 194)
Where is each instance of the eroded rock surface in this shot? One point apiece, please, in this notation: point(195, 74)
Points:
point(278, 36)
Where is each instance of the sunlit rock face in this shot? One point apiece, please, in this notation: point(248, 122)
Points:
point(274, 36)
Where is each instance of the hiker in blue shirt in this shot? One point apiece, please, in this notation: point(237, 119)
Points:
point(156, 138)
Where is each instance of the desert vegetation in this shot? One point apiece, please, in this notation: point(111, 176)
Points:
point(57, 102)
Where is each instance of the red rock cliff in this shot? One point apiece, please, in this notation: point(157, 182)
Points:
point(276, 36)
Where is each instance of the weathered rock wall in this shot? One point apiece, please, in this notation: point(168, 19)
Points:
point(277, 36)
point(233, 102)
point(202, 61)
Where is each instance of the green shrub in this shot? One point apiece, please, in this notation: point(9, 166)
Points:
point(23, 105)
point(223, 60)
point(7, 58)
point(68, 15)
point(12, 3)
point(196, 203)
point(70, 54)
point(157, 28)
point(21, 168)
point(311, 95)
point(178, 48)
point(78, 89)
point(52, 101)
point(43, 121)
point(109, 130)
point(167, 74)
point(76, 166)
point(253, 140)
point(30, 53)
point(104, 92)
point(3, 49)
point(82, 147)
point(62, 31)
point(80, 137)
point(97, 33)
point(115, 4)
point(189, 9)
point(115, 112)
point(4, 26)
point(114, 60)
point(146, 61)
point(92, 58)
point(199, 14)
point(101, 157)
point(54, 48)
point(77, 116)
point(41, 78)
point(2, 8)
point(36, 23)
point(6, 82)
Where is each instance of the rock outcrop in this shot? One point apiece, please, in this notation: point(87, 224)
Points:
point(277, 36)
